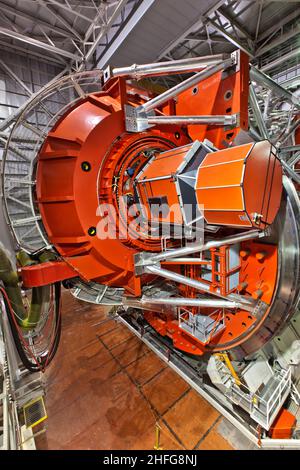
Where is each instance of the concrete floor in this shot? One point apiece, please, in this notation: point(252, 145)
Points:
point(106, 390)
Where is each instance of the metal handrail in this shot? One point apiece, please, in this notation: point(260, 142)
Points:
point(270, 404)
point(206, 334)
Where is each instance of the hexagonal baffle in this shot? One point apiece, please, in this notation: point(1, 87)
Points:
point(240, 186)
point(166, 185)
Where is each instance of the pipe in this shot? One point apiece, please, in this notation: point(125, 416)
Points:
point(188, 250)
point(172, 276)
point(180, 87)
point(40, 295)
point(168, 67)
point(294, 159)
point(181, 301)
point(254, 134)
point(217, 120)
point(257, 114)
point(290, 172)
point(287, 133)
point(290, 148)
point(188, 260)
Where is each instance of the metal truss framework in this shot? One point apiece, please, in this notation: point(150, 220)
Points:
point(227, 23)
point(70, 32)
point(65, 33)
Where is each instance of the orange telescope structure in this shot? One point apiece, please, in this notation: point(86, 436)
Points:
point(163, 205)
point(151, 194)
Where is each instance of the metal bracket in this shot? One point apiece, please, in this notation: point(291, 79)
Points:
point(107, 73)
point(233, 122)
point(141, 261)
point(136, 119)
point(234, 66)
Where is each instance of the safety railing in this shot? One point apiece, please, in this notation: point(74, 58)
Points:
point(263, 407)
point(202, 327)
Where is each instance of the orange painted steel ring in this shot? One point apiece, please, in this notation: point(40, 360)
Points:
point(68, 196)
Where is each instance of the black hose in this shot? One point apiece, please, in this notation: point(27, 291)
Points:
point(45, 361)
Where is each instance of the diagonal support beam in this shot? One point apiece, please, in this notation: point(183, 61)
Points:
point(238, 26)
point(57, 60)
point(121, 4)
point(15, 77)
point(71, 11)
point(257, 114)
point(236, 42)
point(16, 12)
point(22, 84)
point(8, 121)
point(191, 29)
point(116, 42)
point(59, 18)
point(258, 76)
point(39, 44)
point(189, 82)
